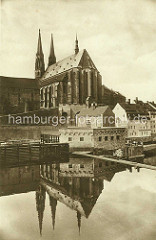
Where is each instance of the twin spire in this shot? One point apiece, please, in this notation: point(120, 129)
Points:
point(52, 58)
point(39, 64)
point(39, 47)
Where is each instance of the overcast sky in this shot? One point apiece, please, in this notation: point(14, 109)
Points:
point(120, 36)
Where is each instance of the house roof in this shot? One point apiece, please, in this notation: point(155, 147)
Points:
point(135, 109)
point(81, 59)
point(12, 82)
point(152, 106)
point(93, 112)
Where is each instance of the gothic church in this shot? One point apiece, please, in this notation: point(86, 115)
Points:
point(73, 80)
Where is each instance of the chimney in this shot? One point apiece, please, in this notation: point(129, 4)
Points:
point(129, 101)
point(136, 101)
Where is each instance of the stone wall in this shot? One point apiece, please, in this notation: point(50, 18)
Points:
point(25, 132)
point(109, 138)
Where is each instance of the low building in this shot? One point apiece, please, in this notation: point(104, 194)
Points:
point(78, 138)
point(109, 139)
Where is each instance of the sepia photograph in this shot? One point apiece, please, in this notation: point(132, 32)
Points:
point(77, 119)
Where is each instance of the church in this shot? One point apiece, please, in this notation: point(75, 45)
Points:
point(73, 80)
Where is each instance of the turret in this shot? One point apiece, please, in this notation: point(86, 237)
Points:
point(52, 58)
point(39, 64)
point(76, 46)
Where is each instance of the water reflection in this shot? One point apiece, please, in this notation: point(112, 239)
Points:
point(76, 184)
point(19, 180)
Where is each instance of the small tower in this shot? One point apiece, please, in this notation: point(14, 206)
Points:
point(76, 46)
point(39, 64)
point(52, 58)
point(40, 205)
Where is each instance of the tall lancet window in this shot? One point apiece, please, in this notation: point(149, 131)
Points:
point(50, 102)
point(45, 97)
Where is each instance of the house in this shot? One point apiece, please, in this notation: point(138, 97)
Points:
point(78, 138)
point(152, 114)
point(95, 117)
point(135, 117)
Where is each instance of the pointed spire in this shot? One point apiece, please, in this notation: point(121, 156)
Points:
point(40, 205)
point(79, 221)
point(39, 47)
point(39, 64)
point(53, 204)
point(76, 45)
point(52, 58)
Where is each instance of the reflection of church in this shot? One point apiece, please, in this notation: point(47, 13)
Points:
point(77, 184)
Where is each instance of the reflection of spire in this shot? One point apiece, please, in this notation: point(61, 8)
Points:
point(40, 205)
point(79, 221)
point(53, 204)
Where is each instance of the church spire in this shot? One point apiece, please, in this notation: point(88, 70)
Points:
point(53, 204)
point(79, 221)
point(76, 46)
point(52, 58)
point(40, 205)
point(39, 64)
point(39, 47)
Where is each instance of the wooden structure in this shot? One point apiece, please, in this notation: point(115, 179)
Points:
point(34, 153)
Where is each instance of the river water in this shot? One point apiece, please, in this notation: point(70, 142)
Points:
point(80, 199)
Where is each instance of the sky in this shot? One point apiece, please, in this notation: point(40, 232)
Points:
point(119, 35)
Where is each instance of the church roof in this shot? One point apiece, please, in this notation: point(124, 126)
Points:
point(81, 59)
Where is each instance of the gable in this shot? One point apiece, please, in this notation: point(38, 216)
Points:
point(86, 61)
point(119, 111)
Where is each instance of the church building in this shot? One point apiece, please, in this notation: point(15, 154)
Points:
point(73, 80)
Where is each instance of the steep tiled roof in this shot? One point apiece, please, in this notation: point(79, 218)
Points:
point(11, 82)
point(82, 59)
